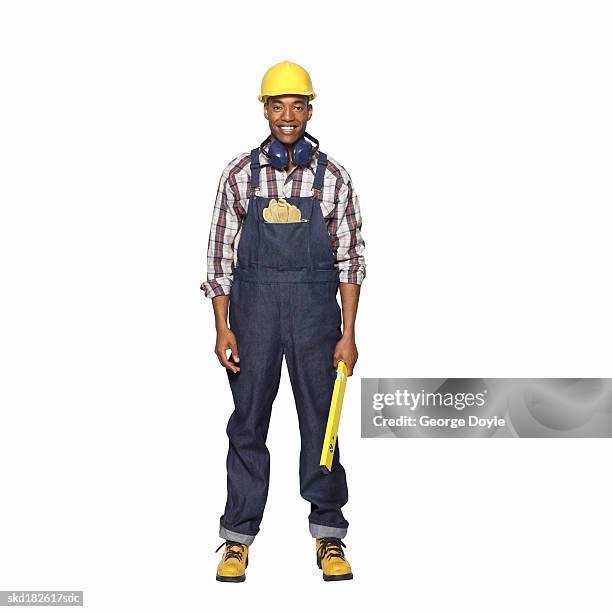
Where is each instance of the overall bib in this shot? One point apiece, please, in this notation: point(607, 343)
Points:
point(283, 302)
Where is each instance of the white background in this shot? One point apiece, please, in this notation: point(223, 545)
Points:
point(478, 138)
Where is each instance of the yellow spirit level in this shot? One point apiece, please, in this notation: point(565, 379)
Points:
point(333, 420)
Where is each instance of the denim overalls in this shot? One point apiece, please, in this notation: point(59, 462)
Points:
point(283, 302)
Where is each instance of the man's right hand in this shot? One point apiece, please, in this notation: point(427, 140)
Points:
point(227, 340)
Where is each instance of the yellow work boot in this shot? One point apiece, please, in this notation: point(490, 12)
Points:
point(233, 563)
point(330, 558)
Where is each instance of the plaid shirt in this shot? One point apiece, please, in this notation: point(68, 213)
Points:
point(339, 204)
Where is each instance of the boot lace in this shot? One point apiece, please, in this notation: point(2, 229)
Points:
point(331, 547)
point(229, 553)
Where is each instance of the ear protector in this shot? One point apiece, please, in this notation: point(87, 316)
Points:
point(301, 151)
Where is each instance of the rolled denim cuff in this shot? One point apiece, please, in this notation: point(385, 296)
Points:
point(242, 538)
point(322, 531)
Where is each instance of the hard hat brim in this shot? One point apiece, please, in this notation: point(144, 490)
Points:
point(311, 95)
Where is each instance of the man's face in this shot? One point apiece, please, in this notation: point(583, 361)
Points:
point(287, 116)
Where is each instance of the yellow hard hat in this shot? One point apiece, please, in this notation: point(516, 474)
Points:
point(286, 78)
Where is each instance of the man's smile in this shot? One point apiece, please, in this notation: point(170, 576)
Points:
point(288, 129)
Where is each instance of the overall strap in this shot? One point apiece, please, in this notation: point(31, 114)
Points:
point(254, 172)
point(317, 186)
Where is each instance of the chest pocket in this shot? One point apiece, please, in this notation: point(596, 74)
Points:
point(285, 234)
point(328, 208)
point(284, 246)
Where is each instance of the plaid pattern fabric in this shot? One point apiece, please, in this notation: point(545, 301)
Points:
point(339, 204)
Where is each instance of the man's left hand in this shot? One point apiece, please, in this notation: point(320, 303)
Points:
point(346, 350)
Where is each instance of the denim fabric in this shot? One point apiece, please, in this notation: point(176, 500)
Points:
point(283, 304)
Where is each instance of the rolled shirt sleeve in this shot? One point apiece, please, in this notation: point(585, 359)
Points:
point(348, 241)
point(226, 222)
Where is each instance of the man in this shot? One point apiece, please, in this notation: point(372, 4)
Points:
point(285, 235)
